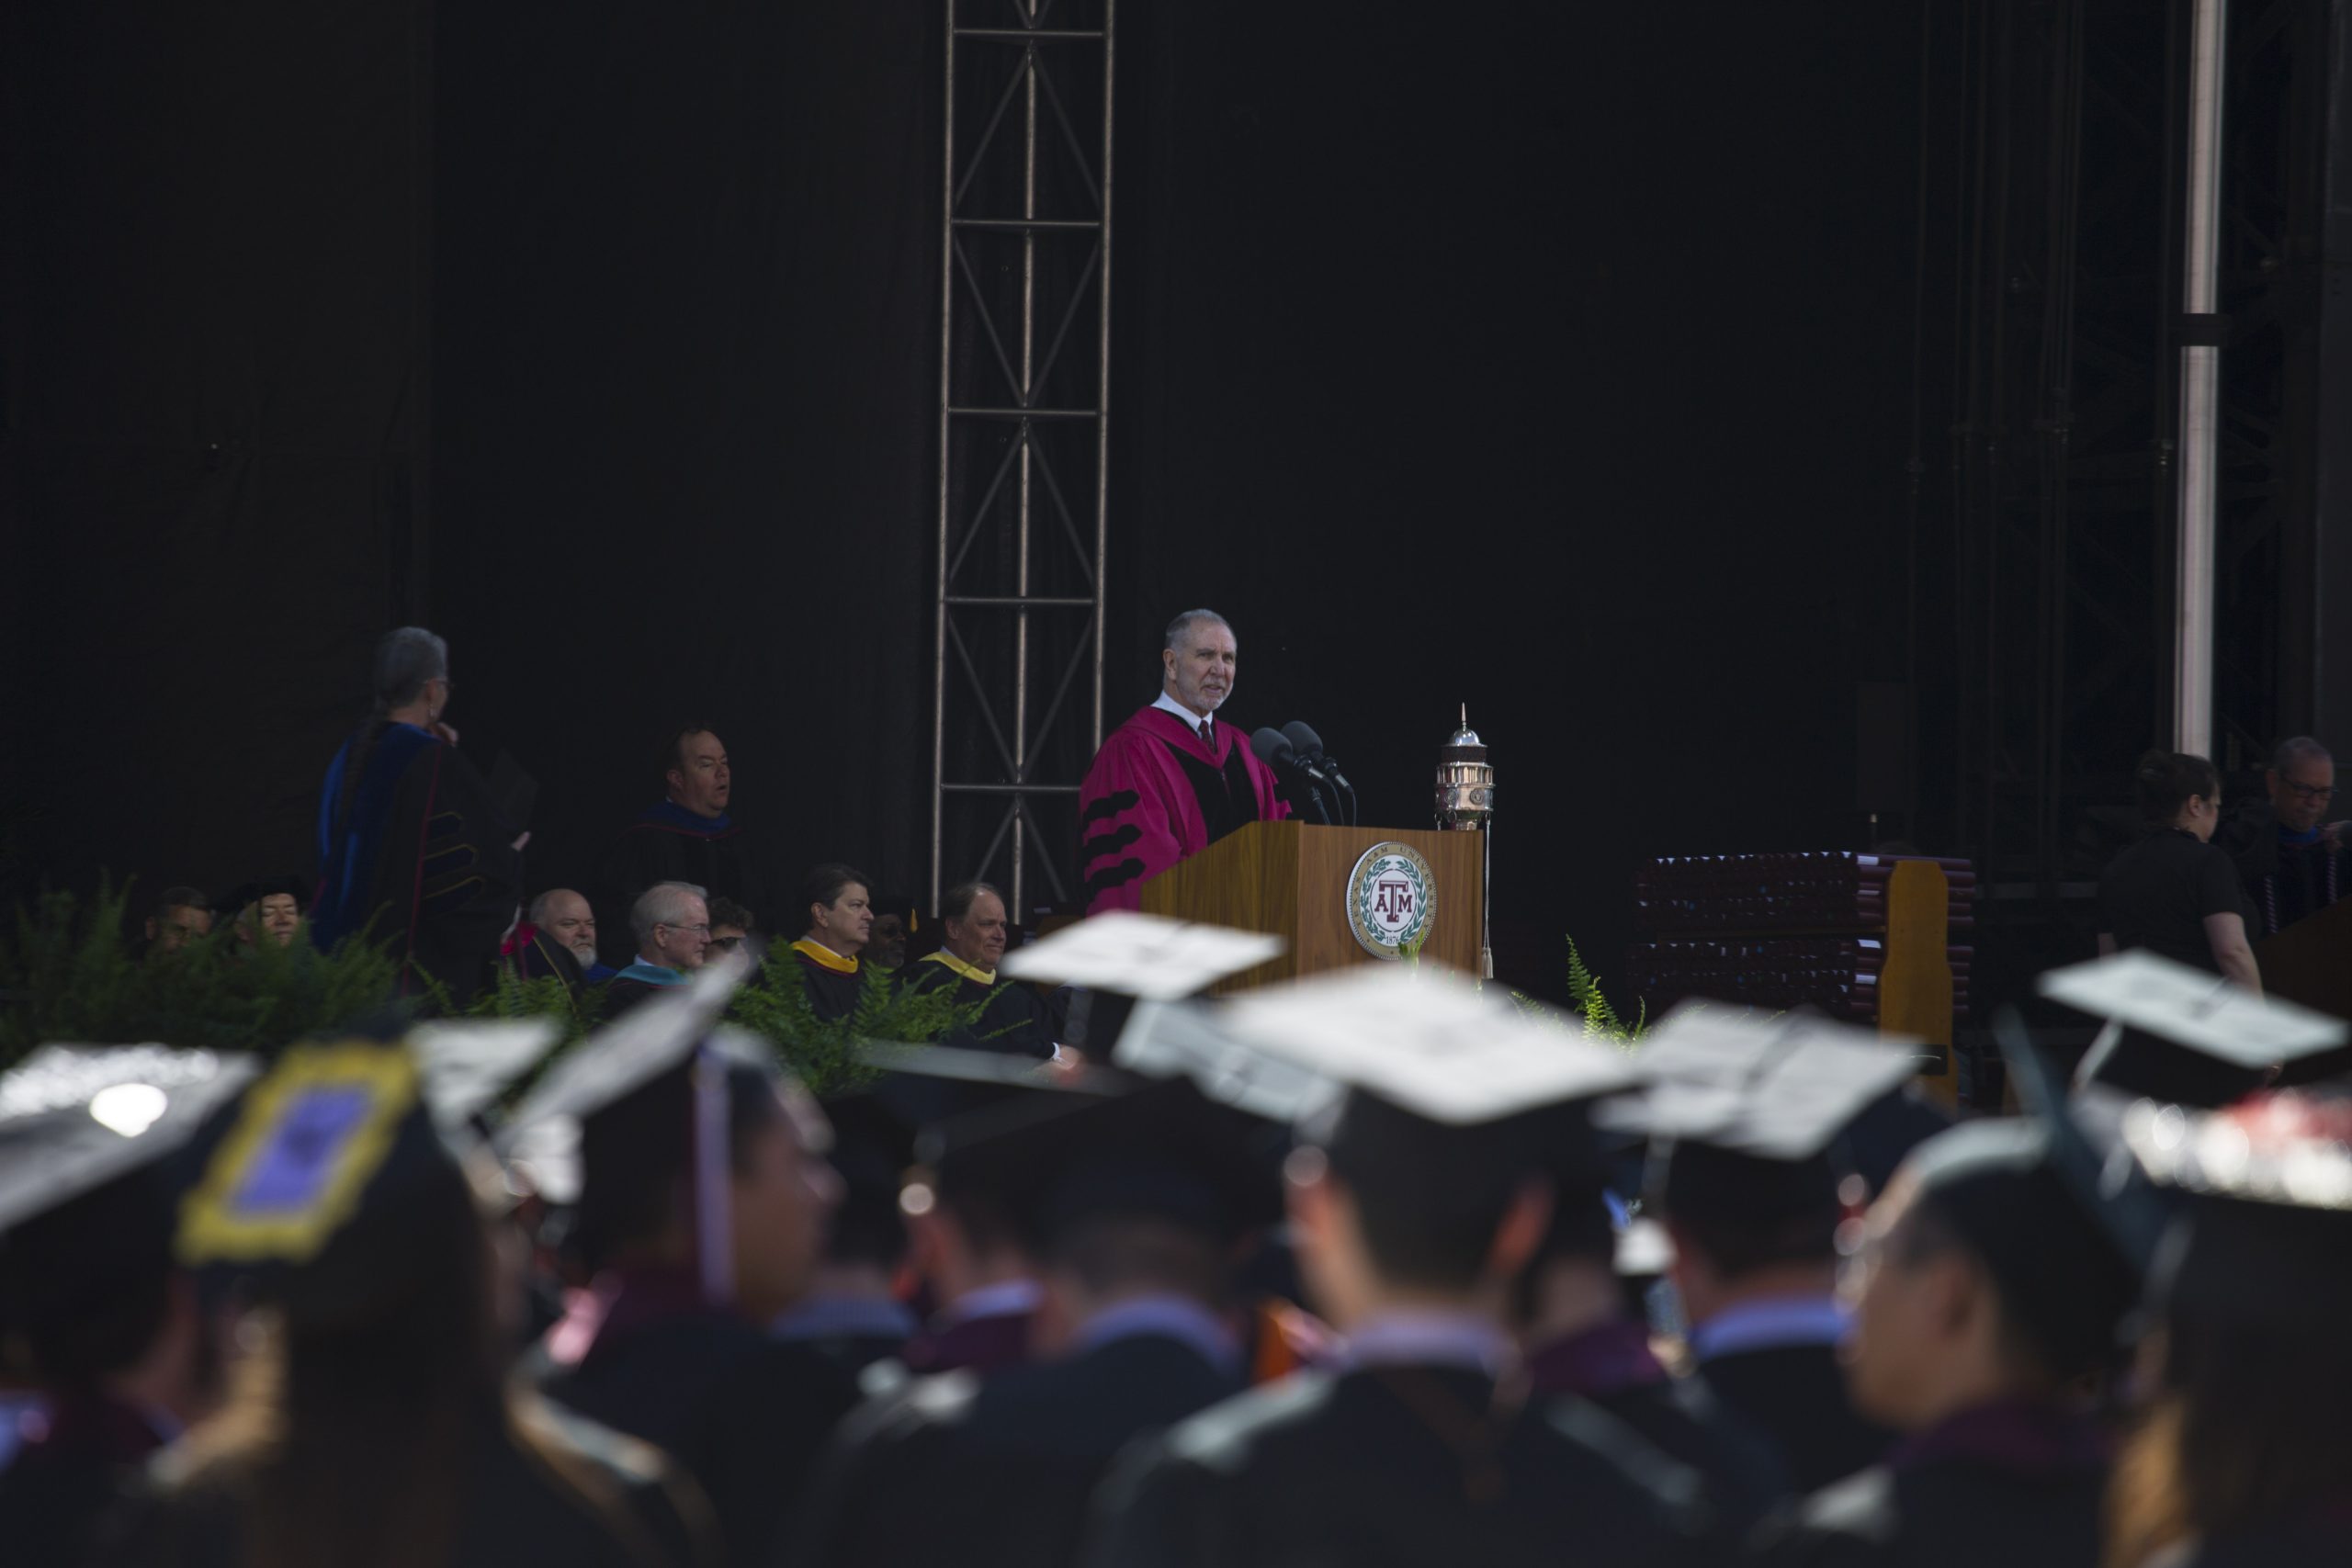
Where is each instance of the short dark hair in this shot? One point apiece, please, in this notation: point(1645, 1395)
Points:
point(827, 883)
point(2298, 749)
point(727, 912)
point(674, 756)
point(1127, 1252)
point(2165, 780)
point(956, 903)
point(1431, 1197)
point(636, 1154)
point(1744, 1212)
point(90, 1281)
point(183, 898)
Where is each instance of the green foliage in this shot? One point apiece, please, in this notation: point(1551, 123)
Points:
point(73, 976)
point(824, 1054)
point(1600, 1018)
point(511, 996)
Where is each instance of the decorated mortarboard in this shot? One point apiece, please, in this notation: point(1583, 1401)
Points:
point(1780, 1088)
point(345, 1127)
point(2264, 1237)
point(2192, 1008)
point(1425, 1040)
point(74, 1118)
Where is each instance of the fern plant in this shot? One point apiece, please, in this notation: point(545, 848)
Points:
point(1601, 1019)
point(823, 1053)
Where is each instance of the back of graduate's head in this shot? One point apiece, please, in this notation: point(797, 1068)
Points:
point(1390, 1202)
point(637, 1186)
point(91, 1286)
point(405, 659)
point(1739, 1214)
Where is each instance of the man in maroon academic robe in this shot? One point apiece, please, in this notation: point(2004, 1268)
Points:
point(1173, 779)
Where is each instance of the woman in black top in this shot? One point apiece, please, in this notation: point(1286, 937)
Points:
point(2178, 897)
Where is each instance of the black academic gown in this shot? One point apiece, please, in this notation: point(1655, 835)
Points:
point(57, 1493)
point(669, 843)
point(831, 992)
point(1795, 1395)
point(1997, 1488)
point(1013, 1020)
point(745, 1415)
point(1390, 1466)
point(418, 846)
point(626, 1506)
point(1612, 1366)
point(1003, 1468)
point(2320, 1538)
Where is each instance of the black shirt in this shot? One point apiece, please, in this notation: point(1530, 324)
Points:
point(2157, 893)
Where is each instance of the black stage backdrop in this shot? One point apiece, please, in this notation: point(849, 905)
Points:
point(1554, 363)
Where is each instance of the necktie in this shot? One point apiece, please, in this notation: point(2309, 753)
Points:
point(1208, 738)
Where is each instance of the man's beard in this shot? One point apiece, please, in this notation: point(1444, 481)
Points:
point(586, 953)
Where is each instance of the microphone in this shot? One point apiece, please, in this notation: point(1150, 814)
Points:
point(1314, 762)
point(1275, 750)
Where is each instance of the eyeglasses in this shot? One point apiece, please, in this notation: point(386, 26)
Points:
point(727, 944)
point(2311, 792)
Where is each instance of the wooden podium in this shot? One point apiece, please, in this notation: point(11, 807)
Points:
point(1291, 878)
point(2310, 961)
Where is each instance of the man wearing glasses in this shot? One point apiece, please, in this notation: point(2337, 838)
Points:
point(671, 920)
point(2292, 865)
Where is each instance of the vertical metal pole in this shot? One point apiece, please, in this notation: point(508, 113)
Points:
point(1024, 433)
point(1102, 388)
point(946, 357)
point(2192, 717)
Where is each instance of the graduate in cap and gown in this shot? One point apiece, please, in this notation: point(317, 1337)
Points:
point(700, 1219)
point(1137, 1201)
point(1174, 778)
point(1422, 1191)
point(838, 903)
point(375, 1423)
point(96, 1146)
point(2244, 1457)
point(1746, 1119)
point(1582, 1337)
point(2184, 1036)
point(853, 1313)
point(413, 849)
point(1989, 1294)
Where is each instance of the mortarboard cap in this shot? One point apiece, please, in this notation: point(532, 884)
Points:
point(2265, 1238)
point(1778, 1089)
point(2086, 1145)
point(659, 1035)
point(1147, 957)
point(76, 1118)
point(468, 1067)
point(2192, 1008)
point(1427, 1041)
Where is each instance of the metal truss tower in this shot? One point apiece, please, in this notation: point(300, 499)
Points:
point(1024, 315)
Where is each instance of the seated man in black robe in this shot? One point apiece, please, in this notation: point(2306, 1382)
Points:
point(1016, 1020)
point(558, 938)
point(1142, 1197)
point(1991, 1297)
point(669, 1342)
point(1410, 1230)
point(413, 850)
point(839, 905)
point(1580, 1341)
point(687, 836)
